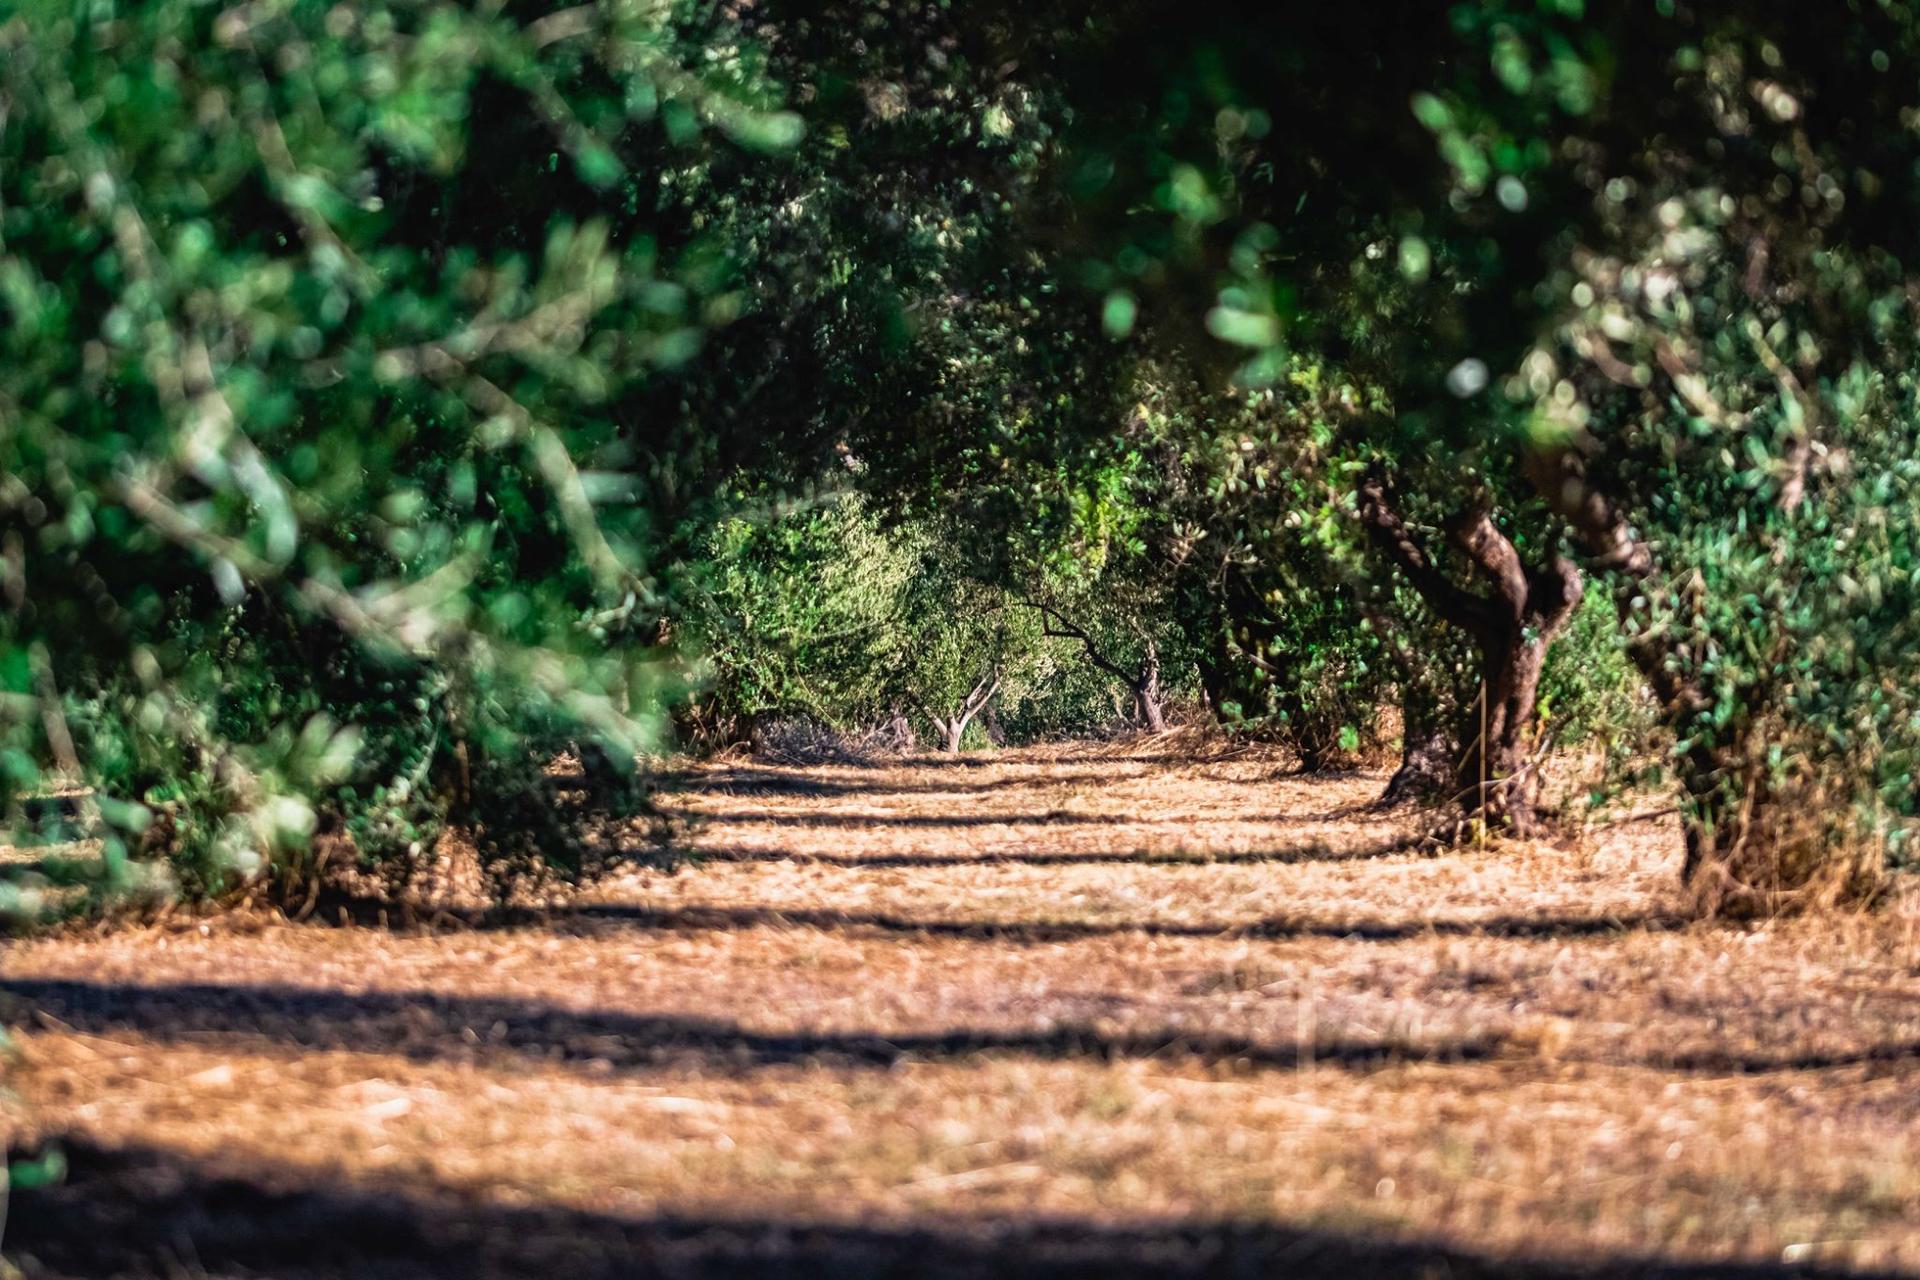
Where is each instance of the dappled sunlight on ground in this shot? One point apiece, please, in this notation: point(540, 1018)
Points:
point(1029, 1014)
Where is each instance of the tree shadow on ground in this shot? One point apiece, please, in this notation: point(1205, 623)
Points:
point(427, 1026)
point(746, 781)
point(1049, 818)
point(1280, 769)
point(1047, 932)
point(783, 780)
point(352, 911)
point(1310, 851)
point(144, 1211)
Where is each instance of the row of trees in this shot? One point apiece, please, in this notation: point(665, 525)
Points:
point(1639, 310)
point(395, 397)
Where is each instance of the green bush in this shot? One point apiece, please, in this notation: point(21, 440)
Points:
point(828, 614)
point(319, 501)
point(798, 614)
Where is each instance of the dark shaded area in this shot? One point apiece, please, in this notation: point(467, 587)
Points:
point(1188, 760)
point(1313, 851)
point(355, 911)
point(427, 1027)
point(142, 1211)
point(780, 780)
point(1714, 1062)
point(49, 820)
point(743, 781)
point(1040, 932)
point(1050, 818)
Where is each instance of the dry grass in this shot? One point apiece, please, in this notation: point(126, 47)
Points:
point(1068, 1013)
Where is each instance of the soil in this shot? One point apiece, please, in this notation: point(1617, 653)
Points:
point(1063, 1013)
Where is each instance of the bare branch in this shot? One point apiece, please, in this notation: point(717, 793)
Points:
point(1691, 386)
point(1560, 476)
point(1054, 624)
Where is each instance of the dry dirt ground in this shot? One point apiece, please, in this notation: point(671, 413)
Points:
point(1076, 1014)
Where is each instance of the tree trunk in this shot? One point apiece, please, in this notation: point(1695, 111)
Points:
point(1512, 626)
point(1152, 715)
point(953, 728)
point(1427, 753)
point(1215, 668)
point(1497, 777)
point(1311, 745)
point(1428, 749)
point(1143, 684)
point(1146, 692)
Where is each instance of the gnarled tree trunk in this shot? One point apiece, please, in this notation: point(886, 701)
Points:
point(1147, 700)
point(1428, 749)
point(990, 722)
point(1511, 623)
point(1142, 683)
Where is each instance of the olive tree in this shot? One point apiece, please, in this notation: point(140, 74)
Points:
point(318, 325)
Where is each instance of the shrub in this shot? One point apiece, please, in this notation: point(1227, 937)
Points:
point(317, 500)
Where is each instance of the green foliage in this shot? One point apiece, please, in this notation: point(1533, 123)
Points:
point(399, 400)
point(1589, 691)
point(1784, 501)
point(800, 615)
point(1641, 264)
point(827, 613)
point(316, 327)
point(1733, 369)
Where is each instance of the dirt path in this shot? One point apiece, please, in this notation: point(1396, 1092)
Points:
point(1004, 1016)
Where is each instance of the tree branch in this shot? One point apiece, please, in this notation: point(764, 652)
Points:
point(1799, 459)
point(1560, 476)
point(1050, 618)
point(1554, 593)
point(1493, 554)
point(1391, 536)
